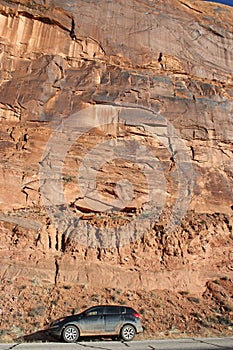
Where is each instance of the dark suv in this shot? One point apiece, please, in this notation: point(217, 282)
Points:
point(103, 320)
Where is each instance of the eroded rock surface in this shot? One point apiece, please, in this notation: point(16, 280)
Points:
point(116, 144)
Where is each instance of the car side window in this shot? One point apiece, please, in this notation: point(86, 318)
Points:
point(112, 310)
point(94, 312)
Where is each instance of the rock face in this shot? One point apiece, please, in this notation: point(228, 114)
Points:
point(116, 143)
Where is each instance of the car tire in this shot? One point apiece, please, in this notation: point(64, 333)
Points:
point(128, 332)
point(70, 334)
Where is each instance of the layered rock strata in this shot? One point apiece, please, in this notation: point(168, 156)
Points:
point(156, 79)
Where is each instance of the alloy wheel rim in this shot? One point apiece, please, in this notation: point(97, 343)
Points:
point(70, 333)
point(128, 332)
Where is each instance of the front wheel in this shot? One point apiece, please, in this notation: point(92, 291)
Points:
point(70, 334)
point(128, 332)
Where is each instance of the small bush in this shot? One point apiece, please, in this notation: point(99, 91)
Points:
point(142, 311)
point(217, 282)
point(114, 298)
point(228, 306)
point(67, 179)
point(194, 300)
point(36, 281)
point(220, 320)
point(196, 315)
point(119, 291)
point(225, 321)
point(95, 300)
point(37, 311)
point(184, 292)
point(4, 331)
point(225, 278)
point(67, 287)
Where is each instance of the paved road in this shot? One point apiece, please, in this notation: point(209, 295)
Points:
point(180, 344)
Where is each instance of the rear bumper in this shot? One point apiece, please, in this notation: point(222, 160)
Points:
point(139, 329)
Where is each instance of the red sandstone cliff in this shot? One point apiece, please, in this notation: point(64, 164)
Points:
point(116, 152)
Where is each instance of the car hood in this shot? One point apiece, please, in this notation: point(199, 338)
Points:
point(66, 319)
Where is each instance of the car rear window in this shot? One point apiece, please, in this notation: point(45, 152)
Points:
point(130, 310)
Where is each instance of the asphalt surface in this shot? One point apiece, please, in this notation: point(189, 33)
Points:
point(178, 344)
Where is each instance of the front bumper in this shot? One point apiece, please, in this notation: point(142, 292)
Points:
point(54, 331)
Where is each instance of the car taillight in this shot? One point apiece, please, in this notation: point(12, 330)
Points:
point(136, 315)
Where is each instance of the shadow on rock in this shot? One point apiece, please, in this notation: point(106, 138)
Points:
point(40, 336)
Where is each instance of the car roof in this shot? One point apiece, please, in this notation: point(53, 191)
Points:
point(128, 308)
point(108, 305)
point(102, 306)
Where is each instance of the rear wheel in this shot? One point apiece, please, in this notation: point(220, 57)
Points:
point(70, 334)
point(128, 332)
